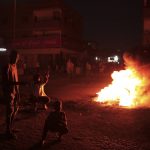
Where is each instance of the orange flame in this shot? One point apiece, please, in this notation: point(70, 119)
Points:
point(129, 87)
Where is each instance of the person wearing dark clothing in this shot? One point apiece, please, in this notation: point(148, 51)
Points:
point(10, 87)
point(55, 122)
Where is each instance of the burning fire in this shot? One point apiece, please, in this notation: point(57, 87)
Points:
point(129, 87)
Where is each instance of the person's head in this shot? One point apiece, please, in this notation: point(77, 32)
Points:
point(58, 105)
point(36, 78)
point(14, 57)
point(46, 74)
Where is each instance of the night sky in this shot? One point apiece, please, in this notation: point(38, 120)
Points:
point(113, 24)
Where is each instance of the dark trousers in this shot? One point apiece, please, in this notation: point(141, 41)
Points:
point(60, 129)
point(11, 111)
point(43, 100)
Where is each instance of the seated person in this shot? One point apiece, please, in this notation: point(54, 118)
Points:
point(38, 94)
point(55, 122)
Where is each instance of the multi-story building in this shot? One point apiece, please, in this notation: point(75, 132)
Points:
point(145, 51)
point(146, 37)
point(42, 30)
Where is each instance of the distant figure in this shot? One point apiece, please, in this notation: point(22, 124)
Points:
point(101, 67)
point(78, 70)
point(55, 122)
point(37, 66)
point(39, 96)
point(88, 68)
point(10, 86)
point(70, 68)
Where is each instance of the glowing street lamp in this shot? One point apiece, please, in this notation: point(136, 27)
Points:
point(3, 49)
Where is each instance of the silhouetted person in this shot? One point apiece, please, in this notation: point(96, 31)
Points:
point(70, 68)
point(55, 122)
point(11, 91)
point(39, 95)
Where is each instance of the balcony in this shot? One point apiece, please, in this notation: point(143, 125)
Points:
point(47, 24)
point(37, 42)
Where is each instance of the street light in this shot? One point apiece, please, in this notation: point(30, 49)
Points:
point(3, 49)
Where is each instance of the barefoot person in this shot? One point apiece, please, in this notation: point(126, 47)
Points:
point(55, 122)
point(11, 91)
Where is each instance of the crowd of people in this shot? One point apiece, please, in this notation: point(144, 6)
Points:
point(71, 67)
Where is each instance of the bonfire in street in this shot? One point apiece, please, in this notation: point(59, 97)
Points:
point(129, 87)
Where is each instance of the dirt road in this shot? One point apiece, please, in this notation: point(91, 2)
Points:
point(92, 126)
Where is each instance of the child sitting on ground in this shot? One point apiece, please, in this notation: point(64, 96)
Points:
point(55, 122)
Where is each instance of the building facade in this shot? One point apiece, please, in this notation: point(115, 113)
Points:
point(146, 37)
point(41, 31)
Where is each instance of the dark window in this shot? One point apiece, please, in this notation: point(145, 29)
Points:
point(56, 15)
point(147, 3)
point(35, 19)
point(4, 21)
point(25, 19)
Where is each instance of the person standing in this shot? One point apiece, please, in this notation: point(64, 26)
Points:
point(10, 86)
point(70, 68)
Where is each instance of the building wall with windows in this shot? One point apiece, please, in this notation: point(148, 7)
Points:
point(42, 29)
point(146, 40)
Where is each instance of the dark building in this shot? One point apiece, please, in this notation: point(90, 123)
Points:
point(145, 51)
point(41, 30)
point(146, 36)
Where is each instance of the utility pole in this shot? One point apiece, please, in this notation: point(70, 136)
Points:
point(14, 19)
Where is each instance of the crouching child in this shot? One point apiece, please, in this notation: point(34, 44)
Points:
point(55, 122)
